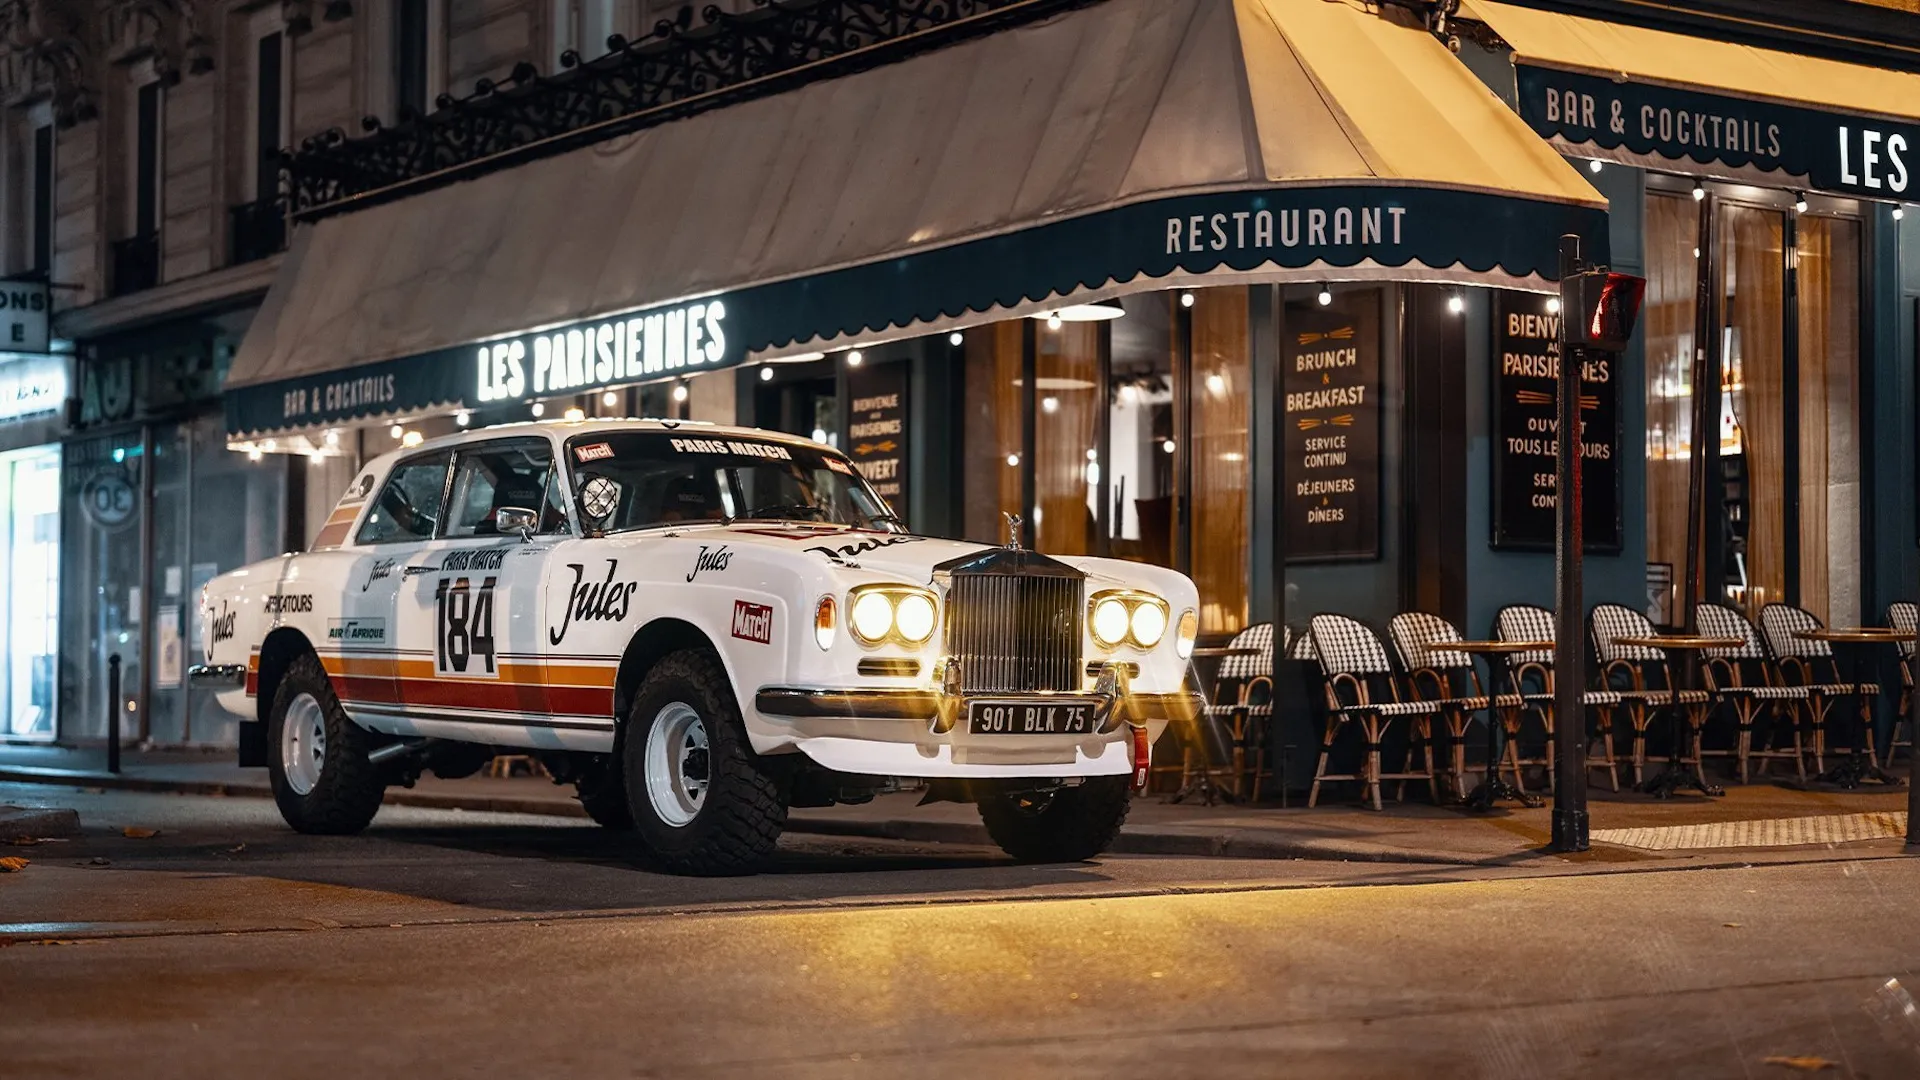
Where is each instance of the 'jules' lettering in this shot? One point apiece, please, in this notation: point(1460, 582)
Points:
point(223, 624)
point(844, 554)
point(712, 559)
point(597, 601)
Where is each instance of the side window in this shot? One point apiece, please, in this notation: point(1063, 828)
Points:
point(493, 476)
point(409, 505)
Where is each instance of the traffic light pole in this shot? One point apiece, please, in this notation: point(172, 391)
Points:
point(1570, 653)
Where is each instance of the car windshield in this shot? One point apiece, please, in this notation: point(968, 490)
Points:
point(639, 480)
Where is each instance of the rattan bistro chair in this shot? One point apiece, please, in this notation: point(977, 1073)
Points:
point(1645, 680)
point(1243, 695)
point(1445, 677)
point(1811, 665)
point(1743, 679)
point(1531, 675)
point(1361, 689)
point(1903, 615)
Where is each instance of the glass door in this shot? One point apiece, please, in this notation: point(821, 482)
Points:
point(30, 590)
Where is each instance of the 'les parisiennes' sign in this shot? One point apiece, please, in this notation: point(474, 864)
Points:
point(1858, 155)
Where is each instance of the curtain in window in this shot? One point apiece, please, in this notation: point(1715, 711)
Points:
point(992, 426)
point(1222, 396)
point(1829, 310)
point(1752, 430)
point(1068, 369)
point(1673, 225)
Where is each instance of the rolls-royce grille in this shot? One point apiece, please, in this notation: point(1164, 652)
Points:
point(1016, 632)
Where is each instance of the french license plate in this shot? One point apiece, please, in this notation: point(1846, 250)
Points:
point(1030, 717)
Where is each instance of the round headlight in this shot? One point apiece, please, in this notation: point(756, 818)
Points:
point(1149, 624)
point(872, 616)
point(1110, 620)
point(913, 616)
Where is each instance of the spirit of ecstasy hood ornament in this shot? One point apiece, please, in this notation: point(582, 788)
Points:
point(1013, 530)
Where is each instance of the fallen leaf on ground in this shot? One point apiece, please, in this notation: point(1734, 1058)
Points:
point(12, 864)
point(1804, 1064)
point(1731, 925)
point(24, 841)
point(237, 849)
point(139, 832)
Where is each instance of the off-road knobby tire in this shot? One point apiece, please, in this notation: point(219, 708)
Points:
point(745, 806)
point(1071, 825)
point(348, 792)
point(603, 794)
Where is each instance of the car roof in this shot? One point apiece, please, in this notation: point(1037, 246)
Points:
point(567, 429)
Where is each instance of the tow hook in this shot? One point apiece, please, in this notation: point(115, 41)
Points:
point(1142, 757)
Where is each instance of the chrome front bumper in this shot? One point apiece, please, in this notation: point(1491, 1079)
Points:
point(940, 709)
point(218, 676)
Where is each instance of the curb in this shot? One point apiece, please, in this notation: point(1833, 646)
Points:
point(1134, 841)
point(21, 774)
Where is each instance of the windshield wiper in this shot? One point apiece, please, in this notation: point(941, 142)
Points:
point(888, 516)
point(785, 510)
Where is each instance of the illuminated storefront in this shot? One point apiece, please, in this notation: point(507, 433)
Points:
point(33, 390)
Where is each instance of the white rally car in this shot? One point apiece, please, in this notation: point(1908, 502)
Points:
point(699, 627)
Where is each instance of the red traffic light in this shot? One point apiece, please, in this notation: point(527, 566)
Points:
point(1601, 308)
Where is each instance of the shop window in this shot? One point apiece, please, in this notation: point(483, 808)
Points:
point(1066, 388)
point(992, 429)
point(1109, 418)
point(1828, 268)
point(495, 476)
point(1139, 461)
point(410, 505)
point(1783, 499)
point(1222, 396)
point(1672, 233)
point(1753, 448)
point(29, 590)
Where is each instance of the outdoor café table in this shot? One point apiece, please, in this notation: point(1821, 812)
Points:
point(1855, 643)
point(1493, 788)
point(1202, 782)
point(1675, 776)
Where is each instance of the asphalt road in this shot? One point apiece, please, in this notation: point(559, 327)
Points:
point(491, 945)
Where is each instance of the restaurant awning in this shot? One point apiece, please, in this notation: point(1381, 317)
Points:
point(1672, 101)
point(1126, 146)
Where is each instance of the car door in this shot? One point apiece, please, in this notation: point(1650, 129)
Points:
point(371, 656)
point(471, 604)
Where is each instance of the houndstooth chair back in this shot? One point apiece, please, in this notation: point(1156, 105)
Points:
point(1718, 620)
point(1780, 622)
point(1904, 615)
point(1301, 647)
point(1609, 621)
point(1414, 635)
point(1347, 646)
point(1259, 637)
point(1525, 622)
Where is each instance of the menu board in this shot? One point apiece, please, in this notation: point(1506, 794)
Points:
point(1331, 480)
point(877, 430)
point(1526, 350)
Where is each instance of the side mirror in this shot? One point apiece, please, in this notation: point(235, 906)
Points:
point(598, 498)
point(516, 519)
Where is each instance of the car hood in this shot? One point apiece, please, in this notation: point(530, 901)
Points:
point(904, 556)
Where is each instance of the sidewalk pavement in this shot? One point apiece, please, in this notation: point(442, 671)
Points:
point(1338, 830)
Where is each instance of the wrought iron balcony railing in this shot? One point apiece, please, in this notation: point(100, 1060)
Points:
point(136, 264)
point(255, 230)
point(673, 72)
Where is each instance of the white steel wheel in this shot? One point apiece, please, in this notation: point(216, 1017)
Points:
point(303, 743)
point(678, 766)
